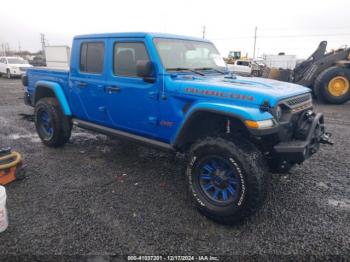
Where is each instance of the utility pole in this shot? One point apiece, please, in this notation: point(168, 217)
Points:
point(203, 31)
point(7, 49)
point(42, 40)
point(256, 29)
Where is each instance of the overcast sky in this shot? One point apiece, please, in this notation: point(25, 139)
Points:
point(293, 27)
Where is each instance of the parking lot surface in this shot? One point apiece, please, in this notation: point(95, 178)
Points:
point(100, 196)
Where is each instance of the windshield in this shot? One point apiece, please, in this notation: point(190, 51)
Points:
point(16, 61)
point(188, 54)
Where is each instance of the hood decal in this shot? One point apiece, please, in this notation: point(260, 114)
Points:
point(223, 94)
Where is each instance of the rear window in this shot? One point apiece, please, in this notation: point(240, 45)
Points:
point(92, 57)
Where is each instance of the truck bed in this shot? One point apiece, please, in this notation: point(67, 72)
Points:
point(36, 74)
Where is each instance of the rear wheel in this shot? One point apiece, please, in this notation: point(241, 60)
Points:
point(53, 127)
point(333, 85)
point(227, 179)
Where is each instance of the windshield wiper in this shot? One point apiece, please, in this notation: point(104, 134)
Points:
point(210, 68)
point(185, 69)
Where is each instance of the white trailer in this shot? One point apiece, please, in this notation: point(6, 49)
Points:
point(57, 56)
point(280, 61)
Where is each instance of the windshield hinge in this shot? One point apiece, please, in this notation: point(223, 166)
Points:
point(265, 106)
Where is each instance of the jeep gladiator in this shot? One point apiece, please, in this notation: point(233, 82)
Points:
point(175, 93)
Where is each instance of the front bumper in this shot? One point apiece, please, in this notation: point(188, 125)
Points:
point(310, 133)
point(17, 71)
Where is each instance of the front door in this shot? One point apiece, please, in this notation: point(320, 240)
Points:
point(132, 103)
point(87, 81)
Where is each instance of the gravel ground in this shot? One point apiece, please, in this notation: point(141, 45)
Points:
point(102, 197)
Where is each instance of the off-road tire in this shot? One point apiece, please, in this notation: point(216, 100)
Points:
point(254, 178)
point(322, 81)
point(61, 124)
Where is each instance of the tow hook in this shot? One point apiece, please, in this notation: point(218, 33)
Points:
point(326, 139)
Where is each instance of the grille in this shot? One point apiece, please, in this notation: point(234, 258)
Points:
point(23, 68)
point(298, 100)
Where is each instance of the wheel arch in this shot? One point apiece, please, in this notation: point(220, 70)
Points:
point(51, 89)
point(204, 122)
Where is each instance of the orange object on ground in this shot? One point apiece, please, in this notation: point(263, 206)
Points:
point(8, 167)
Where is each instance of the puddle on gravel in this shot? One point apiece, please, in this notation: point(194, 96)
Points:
point(343, 204)
point(33, 137)
point(322, 185)
point(3, 121)
point(85, 136)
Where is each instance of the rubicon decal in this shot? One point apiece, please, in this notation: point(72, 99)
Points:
point(218, 94)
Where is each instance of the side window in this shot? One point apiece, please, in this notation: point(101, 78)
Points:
point(92, 57)
point(126, 56)
point(243, 63)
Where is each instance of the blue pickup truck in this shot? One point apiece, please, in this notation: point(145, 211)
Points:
point(175, 93)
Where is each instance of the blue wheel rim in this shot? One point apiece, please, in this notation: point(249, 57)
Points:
point(219, 180)
point(45, 123)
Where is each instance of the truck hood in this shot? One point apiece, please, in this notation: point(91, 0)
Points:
point(244, 89)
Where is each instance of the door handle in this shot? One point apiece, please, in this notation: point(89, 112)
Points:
point(112, 89)
point(81, 84)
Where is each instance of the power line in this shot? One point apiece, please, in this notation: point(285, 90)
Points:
point(283, 36)
point(298, 28)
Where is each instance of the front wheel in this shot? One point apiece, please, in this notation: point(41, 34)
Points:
point(53, 127)
point(227, 179)
point(8, 74)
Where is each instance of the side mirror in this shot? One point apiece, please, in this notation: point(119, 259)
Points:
point(145, 69)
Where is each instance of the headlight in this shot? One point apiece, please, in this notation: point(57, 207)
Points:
point(259, 124)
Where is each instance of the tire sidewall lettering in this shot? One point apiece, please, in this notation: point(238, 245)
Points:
point(239, 171)
point(190, 180)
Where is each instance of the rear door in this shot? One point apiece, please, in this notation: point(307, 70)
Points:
point(87, 80)
point(132, 103)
